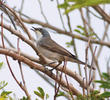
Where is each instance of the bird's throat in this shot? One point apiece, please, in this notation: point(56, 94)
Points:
point(39, 35)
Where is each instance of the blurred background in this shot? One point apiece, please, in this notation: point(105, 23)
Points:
point(81, 20)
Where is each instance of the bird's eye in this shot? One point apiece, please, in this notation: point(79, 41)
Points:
point(40, 29)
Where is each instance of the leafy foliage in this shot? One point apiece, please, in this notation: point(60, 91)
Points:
point(41, 94)
point(93, 96)
point(69, 44)
point(24, 98)
point(105, 84)
point(4, 94)
point(3, 84)
point(60, 94)
point(70, 5)
point(80, 30)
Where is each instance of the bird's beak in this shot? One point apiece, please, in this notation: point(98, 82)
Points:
point(36, 30)
point(33, 28)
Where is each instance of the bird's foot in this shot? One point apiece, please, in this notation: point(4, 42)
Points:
point(51, 69)
point(49, 64)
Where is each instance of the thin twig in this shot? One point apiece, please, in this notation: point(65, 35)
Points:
point(18, 18)
point(92, 62)
point(20, 85)
point(86, 31)
point(95, 15)
point(105, 16)
point(61, 18)
point(41, 9)
point(21, 8)
point(56, 86)
point(57, 90)
point(103, 38)
point(86, 60)
point(9, 15)
point(73, 42)
point(65, 64)
point(33, 65)
point(20, 66)
point(34, 21)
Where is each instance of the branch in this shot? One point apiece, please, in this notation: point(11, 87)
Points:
point(18, 18)
point(38, 67)
point(33, 21)
point(105, 16)
point(70, 73)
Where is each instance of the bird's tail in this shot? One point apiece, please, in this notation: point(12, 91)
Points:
point(81, 62)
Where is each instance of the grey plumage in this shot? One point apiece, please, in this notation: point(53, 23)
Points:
point(52, 50)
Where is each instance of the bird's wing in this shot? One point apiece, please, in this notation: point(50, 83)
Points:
point(51, 45)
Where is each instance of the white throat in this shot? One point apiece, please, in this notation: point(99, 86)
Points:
point(39, 35)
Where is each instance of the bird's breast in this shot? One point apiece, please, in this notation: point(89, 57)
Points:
point(49, 54)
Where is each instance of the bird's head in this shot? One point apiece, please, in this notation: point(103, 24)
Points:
point(40, 32)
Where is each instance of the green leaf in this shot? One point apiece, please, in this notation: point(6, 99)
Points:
point(24, 98)
point(78, 31)
point(1, 64)
point(47, 96)
point(76, 4)
point(3, 84)
point(69, 44)
point(41, 91)
point(106, 76)
point(80, 27)
point(5, 94)
point(105, 86)
point(60, 94)
point(1, 98)
point(38, 94)
point(95, 92)
point(72, 0)
point(105, 94)
point(64, 5)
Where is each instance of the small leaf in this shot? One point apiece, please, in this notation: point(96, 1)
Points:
point(78, 31)
point(38, 94)
point(60, 94)
point(105, 86)
point(47, 96)
point(5, 93)
point(106, 76)
point(3, 84)
point(1, 64)
point(105, 94)
point(24, 98)
point(80, 27)
point(41, 91)
point(95, 92)
point(84, 3)
point(70, 43)
point(64, 5)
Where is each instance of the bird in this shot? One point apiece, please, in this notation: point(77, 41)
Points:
point(53, 51)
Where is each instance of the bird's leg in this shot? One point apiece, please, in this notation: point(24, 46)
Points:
point(56, 66)
point(49, 64)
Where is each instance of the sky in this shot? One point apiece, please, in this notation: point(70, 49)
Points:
point(33, 80)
